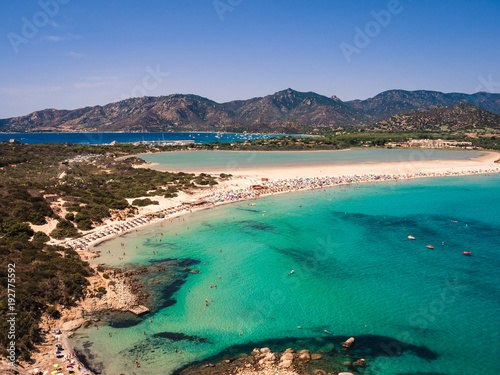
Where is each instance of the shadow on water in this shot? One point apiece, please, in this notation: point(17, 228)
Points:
point(246, 225)
point(88, 360)
point(366, 346)
point(248, 210)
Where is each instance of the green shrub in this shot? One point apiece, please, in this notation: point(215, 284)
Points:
point(40, 237)
point(17, 231)
point(105, 275)
point(64, 229)
point(53, 312)
point(143, 202)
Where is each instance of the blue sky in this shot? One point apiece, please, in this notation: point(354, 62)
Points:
point(67, 54)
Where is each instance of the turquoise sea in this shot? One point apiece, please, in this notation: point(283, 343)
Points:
point(230, 160)
point(411, 309)
point(102, 137)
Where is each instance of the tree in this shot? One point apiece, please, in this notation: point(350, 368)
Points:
point(18, 231)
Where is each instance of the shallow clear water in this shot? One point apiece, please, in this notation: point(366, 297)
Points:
point(356, 274)
point(230, 160)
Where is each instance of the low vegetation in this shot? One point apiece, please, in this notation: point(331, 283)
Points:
point(47, 278)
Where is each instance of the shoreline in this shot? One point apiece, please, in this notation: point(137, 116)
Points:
point(239, 189)
point(308, 151)
point(483, 164)
point(326, 169)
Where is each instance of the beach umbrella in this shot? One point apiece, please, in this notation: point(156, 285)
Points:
point(56, 365)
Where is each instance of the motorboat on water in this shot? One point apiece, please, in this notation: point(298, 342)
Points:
point(430, 247)
point(466, 253)
point(411, 237)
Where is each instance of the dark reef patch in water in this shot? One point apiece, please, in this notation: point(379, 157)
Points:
point(248, 209)
point(255, 225)
point(366, 346)
point(86, 358)
point(175, 336)
point(313, 260)
point(163, 278)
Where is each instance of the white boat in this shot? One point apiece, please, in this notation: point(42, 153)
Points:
point(411, 237)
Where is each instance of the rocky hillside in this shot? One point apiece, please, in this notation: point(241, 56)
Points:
point(164, 113)
point(286, 111)
point(463, 116)
point(391, 102)
point(307, 108)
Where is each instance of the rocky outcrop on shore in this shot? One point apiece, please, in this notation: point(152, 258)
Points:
point(263, 361)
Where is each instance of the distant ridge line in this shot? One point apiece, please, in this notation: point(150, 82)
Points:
point(287, 111)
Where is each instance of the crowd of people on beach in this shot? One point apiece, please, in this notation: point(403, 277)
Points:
point(264, 188)
point(286, 185)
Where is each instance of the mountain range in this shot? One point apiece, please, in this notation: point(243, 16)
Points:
point(286, 111)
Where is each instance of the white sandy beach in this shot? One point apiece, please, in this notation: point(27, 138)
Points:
point(486, 161)
point(282, 180)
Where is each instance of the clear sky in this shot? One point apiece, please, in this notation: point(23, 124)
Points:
point(67, 54)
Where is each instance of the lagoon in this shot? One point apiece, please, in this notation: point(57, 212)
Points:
point(231, 160)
